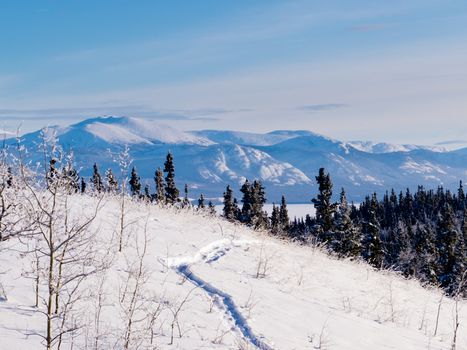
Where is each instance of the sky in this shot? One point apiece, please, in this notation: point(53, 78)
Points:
point(393, 71)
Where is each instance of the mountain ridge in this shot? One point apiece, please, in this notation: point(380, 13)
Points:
point(285, 160)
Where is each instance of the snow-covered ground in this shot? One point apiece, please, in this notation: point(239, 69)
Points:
point(217, 285)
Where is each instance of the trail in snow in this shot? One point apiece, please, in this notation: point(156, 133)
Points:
point(222, 300)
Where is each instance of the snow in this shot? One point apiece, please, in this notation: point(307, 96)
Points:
point(126, 130)
point(243, 289)
point(383, 147)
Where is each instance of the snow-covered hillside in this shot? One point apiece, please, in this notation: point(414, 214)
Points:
point(212, 284)
point(285, 161)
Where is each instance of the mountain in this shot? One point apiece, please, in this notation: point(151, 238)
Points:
point(286, 161)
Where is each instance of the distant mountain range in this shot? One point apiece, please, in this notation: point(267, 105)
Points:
point(285, 160)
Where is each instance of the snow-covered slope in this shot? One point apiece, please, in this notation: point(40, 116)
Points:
point(230, 287)
point(286, 161)
point(384, 147)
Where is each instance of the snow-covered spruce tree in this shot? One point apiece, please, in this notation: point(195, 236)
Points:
point(135, 183)
point(171, 191)
point(347, 235)
point(247, 201)
point(201, 202)
point(446, 242)
point(372, 246)
point(425, 260)
point(159, 196)
point(211, 208)
point(147, 194)
point(111, 182)
point(70, 174)
point(186, 201)
point(325, 209)
point(284, 220)
point(229, 211)
point(97, 180)
point(275, 220)
point(259, 218)
point(83, 185)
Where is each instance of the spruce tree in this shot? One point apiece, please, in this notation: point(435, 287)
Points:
point(97, 179)
point(461, 196)
point(160, 186)
point(284, 221)
point(447, 241)
point(83, 185)
point(229, 207)
point(135, 183)
point(186, 202)
point(147, 195)
point(9, 177)
point(325, 209)
point(372, 245)
point(275, 220)
point(201, 202)
point(211, 208)
point(247, 201)
point(425, 258)
point(259, 218)
point(347, 236)
point(70, 178)
point(171, 191)
point(111, 182)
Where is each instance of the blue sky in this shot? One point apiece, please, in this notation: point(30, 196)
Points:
point(356, 69)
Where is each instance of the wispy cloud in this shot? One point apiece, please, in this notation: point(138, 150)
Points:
point(366, 28)
point(142, 111)
point(322, 107)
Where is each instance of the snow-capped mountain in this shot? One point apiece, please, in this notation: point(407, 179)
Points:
point(286, 161)
point(384, 147)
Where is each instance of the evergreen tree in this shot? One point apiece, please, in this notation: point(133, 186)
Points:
point(275, 220)
point(147, 195)
point(325, 209)
point(9, 177)
point(97, 179)
point(372, 245)
point(111, 181)
point(171, 191)
point(284, 221)
point(259, 218)
point(447, 241)
point(211, 208)
point(237, 210)
point(229, 207)
point(247, 201)
point(70, 178)
point(347, 236)
point(52, 173)
point(186, 202)
point(160, 186)
point(461, 196)
point(135, 183)
point(201, 202)
point(83, 185)
point(424, 262)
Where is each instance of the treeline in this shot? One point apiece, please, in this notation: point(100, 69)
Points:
point(421, 234)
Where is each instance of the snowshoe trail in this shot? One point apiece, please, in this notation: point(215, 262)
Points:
point(222, 300)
